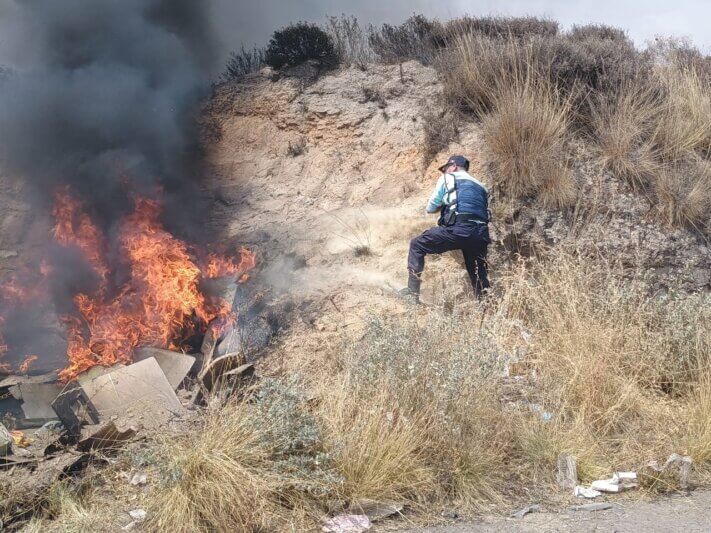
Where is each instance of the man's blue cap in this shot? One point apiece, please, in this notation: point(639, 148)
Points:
point(458, 160)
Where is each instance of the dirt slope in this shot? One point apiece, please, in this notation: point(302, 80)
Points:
point(326, 178)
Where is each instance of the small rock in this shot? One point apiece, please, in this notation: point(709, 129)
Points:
point(347, 523)
point(138, 514)
point(523, 512)
point(375, 510)
point(592, 507)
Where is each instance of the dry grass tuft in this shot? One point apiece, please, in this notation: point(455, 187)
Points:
point(622, 130)
point(252, 465)
point(656, 136)
point(525, 138)
point(216, 478)
point(683, 125)
point(684, 194)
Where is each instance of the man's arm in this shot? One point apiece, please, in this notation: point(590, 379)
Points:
point(437, 199)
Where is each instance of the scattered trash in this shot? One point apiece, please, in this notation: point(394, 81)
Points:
point(176, 366)
point(617, 483)
point(74, 408)
point(592, 507)
point(138, 514)
point(567, 476)
point(138, 479)
point(526, 510)
point(100, 437)
point(36, 400)
point(347, 523)
point(375, 510)
point(139, 393)
point(605, 485)
point(672, 476)
point(584, 492)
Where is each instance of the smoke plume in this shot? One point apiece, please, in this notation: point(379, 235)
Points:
point(102, 94)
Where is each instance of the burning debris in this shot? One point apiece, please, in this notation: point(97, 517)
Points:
point(101, 327)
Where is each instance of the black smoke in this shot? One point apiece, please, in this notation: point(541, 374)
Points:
point(103, 95)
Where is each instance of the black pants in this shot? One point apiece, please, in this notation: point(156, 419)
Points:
point(469, 237)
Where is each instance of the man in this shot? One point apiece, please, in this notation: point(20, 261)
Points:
point(463, 225)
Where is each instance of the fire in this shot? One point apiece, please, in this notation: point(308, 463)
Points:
point(223, 266)
point(159, 302)
point(73, 227)
point(27, 363)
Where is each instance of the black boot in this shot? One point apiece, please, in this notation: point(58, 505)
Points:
point(412, 291)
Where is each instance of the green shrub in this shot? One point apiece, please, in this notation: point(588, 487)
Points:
point(298, 43)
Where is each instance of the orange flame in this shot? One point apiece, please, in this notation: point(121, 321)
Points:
point(226, 266)
point(160, 305)
point(73, 227)
point(25, 366)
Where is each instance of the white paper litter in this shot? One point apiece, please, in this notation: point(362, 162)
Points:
point(584, 492)
point(347, 523)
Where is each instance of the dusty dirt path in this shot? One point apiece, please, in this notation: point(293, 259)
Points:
point(676, 513)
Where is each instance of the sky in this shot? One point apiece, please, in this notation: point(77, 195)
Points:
point(251, 22)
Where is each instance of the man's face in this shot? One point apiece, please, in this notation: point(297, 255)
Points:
point(451, 168)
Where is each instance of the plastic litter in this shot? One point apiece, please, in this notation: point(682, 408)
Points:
point(347, 523)
point(617, 483)
point(585, 492)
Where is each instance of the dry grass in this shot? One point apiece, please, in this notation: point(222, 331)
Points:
point(230, 474)
point(684, 194)
point(622, 130)
point(217, 478)
point(419, 410)
point(525, 139)
point(656, 136)
point(525, 119)
point(476, 69)
point(683, 125)
point(411, 420)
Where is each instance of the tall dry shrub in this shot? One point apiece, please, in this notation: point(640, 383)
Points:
point(350, 41)
point(525, 139)
point(476, 69)
point(413, 39)
point(622, 129)
point(507, 28)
